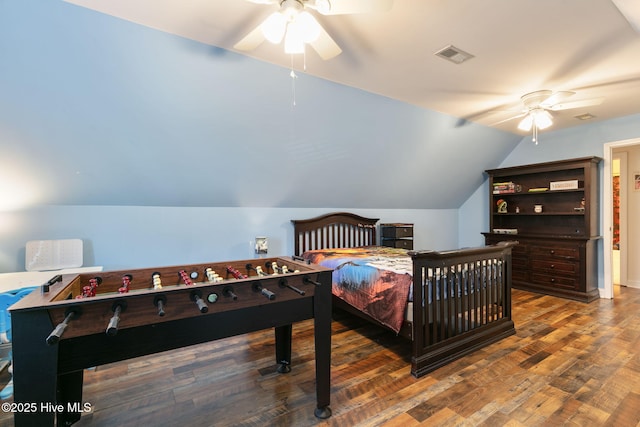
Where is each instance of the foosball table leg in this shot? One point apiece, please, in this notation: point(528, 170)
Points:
point(322, 340)
point(70, 397)
point(283, 348)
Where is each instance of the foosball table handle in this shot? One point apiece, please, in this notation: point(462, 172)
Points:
point(196, 297)
point(257, 286)
point(71, 313)
point(117, 308)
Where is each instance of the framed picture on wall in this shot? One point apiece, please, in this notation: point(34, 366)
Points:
point(636, 181)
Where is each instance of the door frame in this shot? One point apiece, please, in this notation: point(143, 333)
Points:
point(607, 213)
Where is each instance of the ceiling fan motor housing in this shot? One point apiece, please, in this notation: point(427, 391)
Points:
point(534, 99)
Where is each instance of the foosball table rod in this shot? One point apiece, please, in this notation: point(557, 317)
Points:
point(160, 301)
point(284, 284)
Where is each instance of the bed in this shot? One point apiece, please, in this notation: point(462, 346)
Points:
point(448, 303)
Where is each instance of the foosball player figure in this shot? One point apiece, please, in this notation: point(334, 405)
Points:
point(275, 268)
point(126, 282)
point(91, 289)
point(157, 281)
point(212, 276)
point(235, 273)
point(185, 277)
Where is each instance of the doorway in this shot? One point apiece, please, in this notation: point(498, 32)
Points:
point(615, 245)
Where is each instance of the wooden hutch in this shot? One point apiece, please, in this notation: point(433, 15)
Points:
point(552, 210)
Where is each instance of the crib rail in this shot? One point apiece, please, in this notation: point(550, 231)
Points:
point(462, 292)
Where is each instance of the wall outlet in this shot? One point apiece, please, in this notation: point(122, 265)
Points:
point(262, 245)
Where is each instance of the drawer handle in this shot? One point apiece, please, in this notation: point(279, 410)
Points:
point(552, 252)
point(552, 280)
point(553, 266)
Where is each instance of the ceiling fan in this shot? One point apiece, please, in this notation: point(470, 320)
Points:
point(537, 106)
point(297, 26)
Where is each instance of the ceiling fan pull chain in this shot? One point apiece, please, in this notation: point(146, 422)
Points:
point(293, 82)
point(304, 60)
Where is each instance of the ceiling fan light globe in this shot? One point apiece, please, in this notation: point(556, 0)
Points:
point(308, 27)
point(526, 123)
point(541, 118)
point(293, 42)
point(274, 27)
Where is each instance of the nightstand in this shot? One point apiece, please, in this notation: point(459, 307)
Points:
point(397, 235)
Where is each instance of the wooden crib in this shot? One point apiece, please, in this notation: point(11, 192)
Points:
point(459, 301)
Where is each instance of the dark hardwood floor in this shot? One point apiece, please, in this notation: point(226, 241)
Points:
point(570, 364)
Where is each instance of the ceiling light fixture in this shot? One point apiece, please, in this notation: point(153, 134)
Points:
point(537, 119)
point(292, 23)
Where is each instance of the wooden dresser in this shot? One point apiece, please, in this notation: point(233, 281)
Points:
point(552, 210)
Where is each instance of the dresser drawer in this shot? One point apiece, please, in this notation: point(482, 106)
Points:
point(399, 243)
point(564, 252)
point(555, 267)
point(554, 281)
point(396, 231)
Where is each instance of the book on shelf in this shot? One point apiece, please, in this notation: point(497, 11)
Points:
point(505, 230)
point(571, 184)
point(504, 187)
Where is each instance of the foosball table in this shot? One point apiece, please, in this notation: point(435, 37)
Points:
point(74, 322)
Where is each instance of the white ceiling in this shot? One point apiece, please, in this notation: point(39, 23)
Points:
point(520, 46)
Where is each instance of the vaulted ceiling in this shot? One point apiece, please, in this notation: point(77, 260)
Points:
point(584, 46)
point(149, 104)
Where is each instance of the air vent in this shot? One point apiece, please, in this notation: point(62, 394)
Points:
point(585, 116)
point(453, 54)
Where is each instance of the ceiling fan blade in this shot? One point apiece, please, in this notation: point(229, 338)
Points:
point(325, 46)
point(344, 7)
point(510, 118)
point(251, 40)
point(631, 81)
point(556, 98)
point(576, 104)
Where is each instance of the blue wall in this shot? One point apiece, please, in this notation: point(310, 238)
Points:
point(100, 111)
point(156, 149)
point(121, 237)
point(159, 150)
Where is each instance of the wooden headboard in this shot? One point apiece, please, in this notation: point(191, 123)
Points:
point(334, 230)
